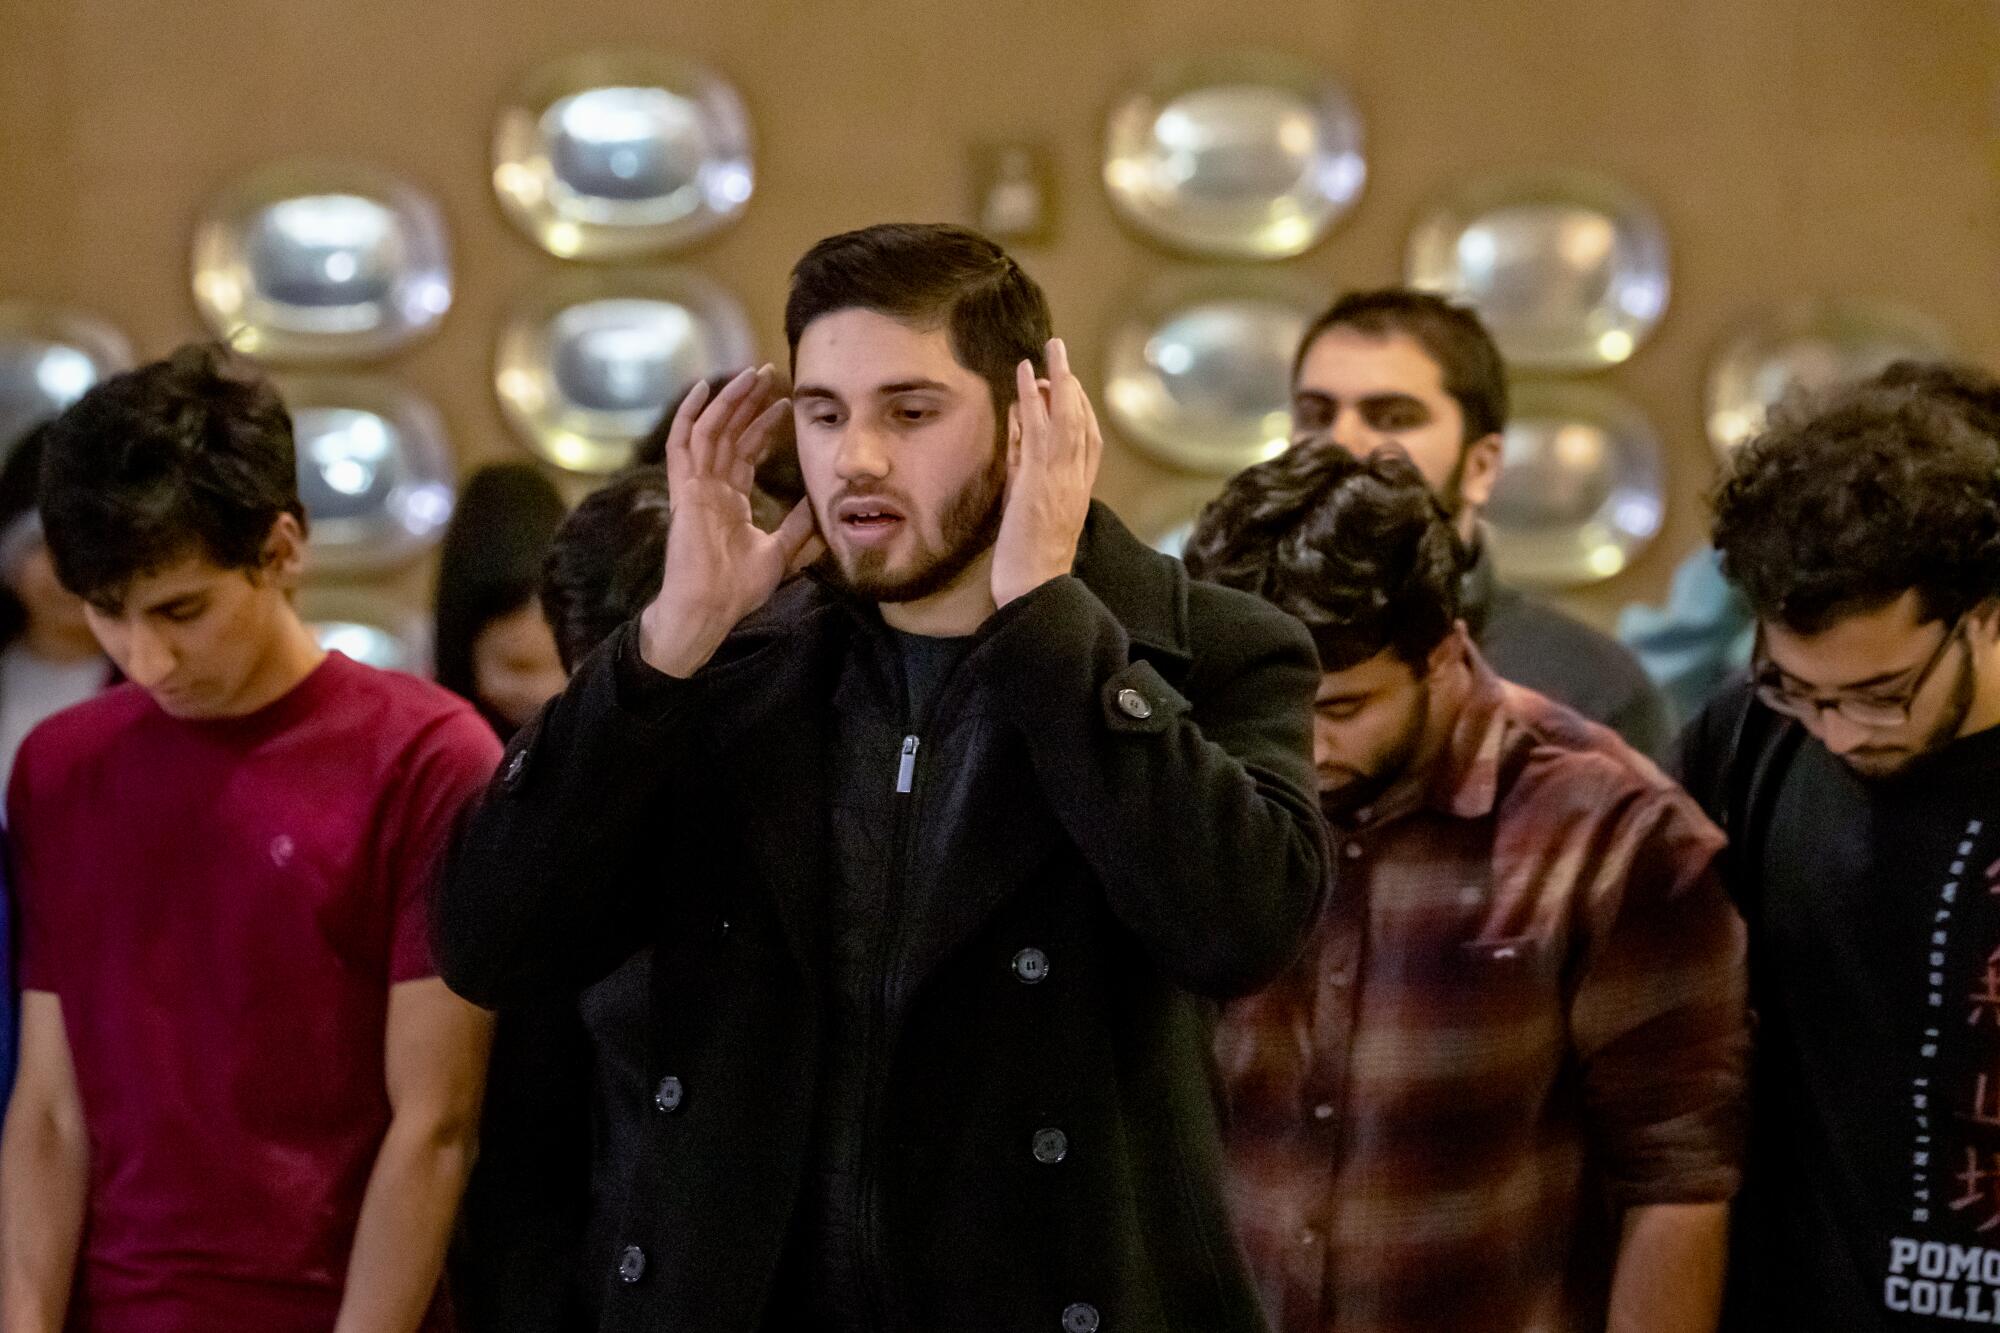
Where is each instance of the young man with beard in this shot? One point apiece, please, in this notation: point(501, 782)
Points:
point(1410, 369)
point(245, 1101)
point(1858, 776)
point(1502, 1089)
point(938, 853)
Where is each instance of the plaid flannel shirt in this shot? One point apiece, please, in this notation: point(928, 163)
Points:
point(1522, 1012)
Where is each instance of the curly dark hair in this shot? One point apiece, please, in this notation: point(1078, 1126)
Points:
point(190, 455)
point(606, 561)
point(1845, 506)
point(1966, 389)
point(1359, 550)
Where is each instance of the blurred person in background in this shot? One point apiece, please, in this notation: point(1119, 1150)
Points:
point(567, 1097)
point(1503, 1089)
point(1409, 368)
point(49, 659)
point(245, 1100)
point(491, 645)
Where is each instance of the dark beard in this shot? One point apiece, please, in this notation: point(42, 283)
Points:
point(969, 526)
point(1340, 804)
point(1957, 707)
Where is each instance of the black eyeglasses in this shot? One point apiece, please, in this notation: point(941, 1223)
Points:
point(1875, 711)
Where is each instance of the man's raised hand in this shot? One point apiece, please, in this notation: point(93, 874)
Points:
point(720, 566)
point(1053, 465)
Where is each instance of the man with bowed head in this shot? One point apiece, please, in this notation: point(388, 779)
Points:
point(943, 851)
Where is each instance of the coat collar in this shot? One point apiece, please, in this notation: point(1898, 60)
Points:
point(1145, 591)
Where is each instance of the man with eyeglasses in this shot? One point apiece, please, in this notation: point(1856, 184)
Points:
point(1858, 776)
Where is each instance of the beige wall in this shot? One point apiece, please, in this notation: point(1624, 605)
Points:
point(1793, 146)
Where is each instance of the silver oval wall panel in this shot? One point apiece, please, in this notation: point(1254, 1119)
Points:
point(1238, 156)
point(1198, 375)
point(368, 627)
point(1806, 349)
point(1581, 488)
point(321, 261)
point(615, 154)
point(1568, 271)
point(375, 470)
point(49, 358)
point(587, 364)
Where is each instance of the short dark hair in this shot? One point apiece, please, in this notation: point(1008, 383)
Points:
point(931, 275)
point(1451, 335)
point(490, 564)
point(1359, 550)
point(1844, 506)
point(189, 455)
point(605, 563)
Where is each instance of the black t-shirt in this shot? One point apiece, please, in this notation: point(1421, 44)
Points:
point(1872, 1200)
point(882, 706)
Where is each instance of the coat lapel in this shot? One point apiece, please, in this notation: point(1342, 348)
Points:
point(768, 729)
point(986, 833)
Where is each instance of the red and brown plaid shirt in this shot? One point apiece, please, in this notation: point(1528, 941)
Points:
point(1522, 1012)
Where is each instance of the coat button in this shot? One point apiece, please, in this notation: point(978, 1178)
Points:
point(631, 1264)
point(1133, 704)
point(668, 1095)
point(1050, 1146)
point(1080, 1318)
point(1031, 965)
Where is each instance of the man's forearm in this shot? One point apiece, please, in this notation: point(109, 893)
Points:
point(1671, 1262)
point(44, 1187)
point(406, 1220)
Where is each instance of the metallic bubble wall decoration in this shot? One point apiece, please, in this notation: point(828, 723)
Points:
point(1198, 374)
point(587, 363)
point(1581, 489)
point(1236, 156)
point(369, 627)
point(375, 471)
point(49, 358)
point(307, 261)
point(1568, 271)
point(1805, 349)
point(612, 155)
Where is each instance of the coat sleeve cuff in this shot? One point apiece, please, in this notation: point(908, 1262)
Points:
point(639, 689)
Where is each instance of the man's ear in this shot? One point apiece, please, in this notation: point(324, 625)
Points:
point(1983, 620)
point(283, 558)
point(1481, 471)
point(1445, 651)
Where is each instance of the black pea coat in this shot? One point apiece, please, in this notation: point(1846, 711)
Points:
point(1117, 809)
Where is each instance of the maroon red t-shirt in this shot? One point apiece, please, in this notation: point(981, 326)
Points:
point(222, 907)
